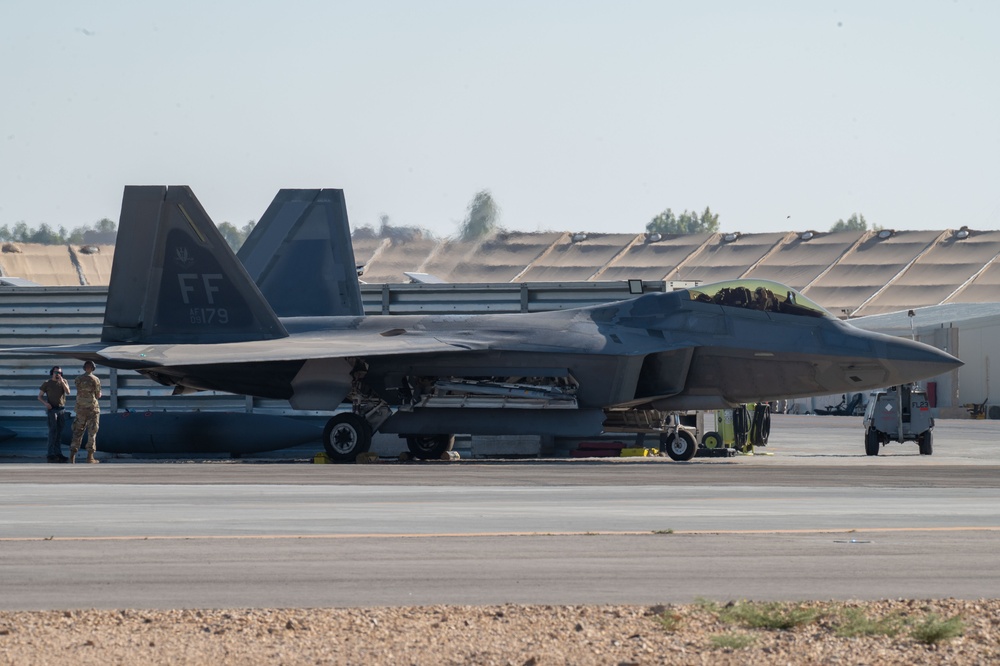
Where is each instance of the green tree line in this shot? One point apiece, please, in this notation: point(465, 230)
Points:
point(856, 222)
point(482, 218)
point(690, 222)
point(46, 235)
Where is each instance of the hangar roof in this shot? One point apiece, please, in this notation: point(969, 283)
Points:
point(57, 265)
point(934, 316)
point(851, 274)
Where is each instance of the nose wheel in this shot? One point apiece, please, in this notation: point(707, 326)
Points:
point(680, 445)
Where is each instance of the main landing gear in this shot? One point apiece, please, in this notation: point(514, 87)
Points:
point(429, 447)
point(346, 436)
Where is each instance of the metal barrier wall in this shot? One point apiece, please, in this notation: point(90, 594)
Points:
point(42, 316)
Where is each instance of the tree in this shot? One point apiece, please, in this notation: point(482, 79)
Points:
point(386, 229)
point(44, 235)
point(247, 228)
point(688, 222)
point(235, 236)
point(482, 217)
point(20, 232)
point(231, 234)
point(856, 222)
point(364, 232)
point(103, 231)
point(75, 237)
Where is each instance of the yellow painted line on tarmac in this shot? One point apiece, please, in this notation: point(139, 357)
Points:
point(452, 535)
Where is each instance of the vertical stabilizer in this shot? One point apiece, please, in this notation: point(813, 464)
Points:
point(174, 278)
point(301, 257)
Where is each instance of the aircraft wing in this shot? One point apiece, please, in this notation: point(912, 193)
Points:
point(296, 348)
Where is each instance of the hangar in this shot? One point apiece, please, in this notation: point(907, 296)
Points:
point(851, 274)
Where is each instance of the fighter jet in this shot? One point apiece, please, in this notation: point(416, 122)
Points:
point(185, 311)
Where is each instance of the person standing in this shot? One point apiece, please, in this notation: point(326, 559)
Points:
point(53, 394)
point(88, 412)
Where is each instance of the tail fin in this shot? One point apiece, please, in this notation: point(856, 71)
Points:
point(174, 278)
point(301, 257)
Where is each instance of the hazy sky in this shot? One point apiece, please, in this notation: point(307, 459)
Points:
point(577, 115)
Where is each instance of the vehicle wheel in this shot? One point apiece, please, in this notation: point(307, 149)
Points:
point(679, 446)
point(926, 442)
point(345, 436)
point(429, 447)
point(760, 425)
point(871, 442)
point(711, 440)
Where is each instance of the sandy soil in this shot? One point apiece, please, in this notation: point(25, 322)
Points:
point(883, 632)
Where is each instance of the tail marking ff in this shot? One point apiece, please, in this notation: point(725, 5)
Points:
point(174, 278)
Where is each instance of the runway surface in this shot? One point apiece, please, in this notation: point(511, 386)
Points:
point(815, 519)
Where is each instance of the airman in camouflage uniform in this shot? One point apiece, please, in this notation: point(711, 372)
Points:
point(88, 413)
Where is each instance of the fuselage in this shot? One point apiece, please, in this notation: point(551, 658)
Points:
point(669, 351)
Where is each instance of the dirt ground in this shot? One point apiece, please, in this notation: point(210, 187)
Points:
point(881, 632)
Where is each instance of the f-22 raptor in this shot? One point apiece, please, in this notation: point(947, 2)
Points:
point(284, 320)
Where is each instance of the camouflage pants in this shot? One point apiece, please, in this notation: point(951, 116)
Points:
point(86, 420)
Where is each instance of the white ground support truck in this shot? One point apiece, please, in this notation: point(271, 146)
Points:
point(901, 414)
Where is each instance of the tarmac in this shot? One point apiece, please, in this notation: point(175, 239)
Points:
point(809, 516)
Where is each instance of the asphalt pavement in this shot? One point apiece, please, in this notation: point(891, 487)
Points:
point(810, 516)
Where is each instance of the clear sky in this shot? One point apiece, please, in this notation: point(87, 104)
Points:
point(576, 115)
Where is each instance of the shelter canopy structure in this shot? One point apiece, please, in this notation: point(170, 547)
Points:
point(851, 274)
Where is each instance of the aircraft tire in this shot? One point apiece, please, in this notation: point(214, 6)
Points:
point(871, 442)
point(346, 436)
point(429, 447)
point(711, 440)
point(926, 443)
point(680, 446)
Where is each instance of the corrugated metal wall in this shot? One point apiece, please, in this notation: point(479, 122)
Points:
point(31, 316)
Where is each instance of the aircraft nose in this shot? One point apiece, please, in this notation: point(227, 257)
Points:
point(908, 361)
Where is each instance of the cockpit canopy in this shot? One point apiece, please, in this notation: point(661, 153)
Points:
point(763, 295)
